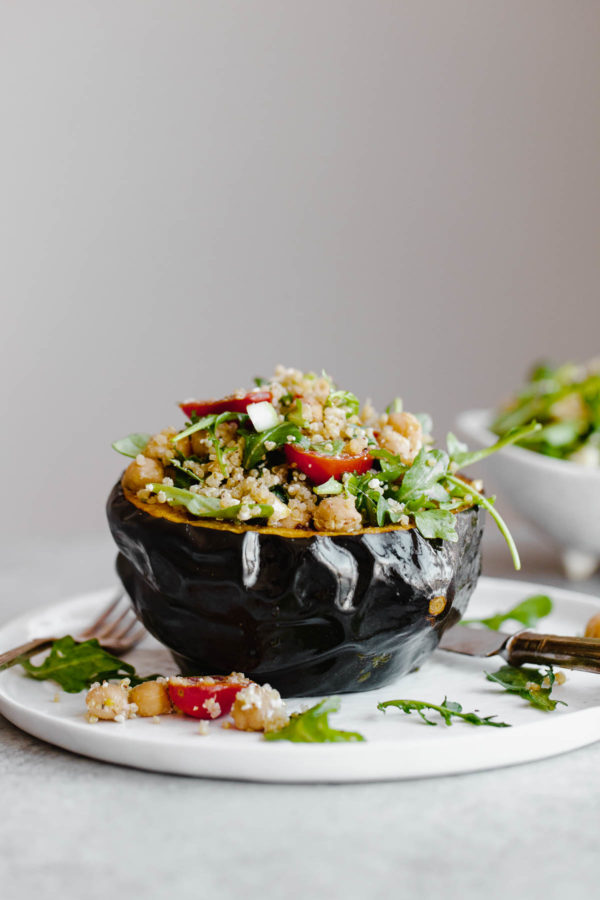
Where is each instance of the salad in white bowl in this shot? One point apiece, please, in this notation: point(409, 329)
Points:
point(552, 476)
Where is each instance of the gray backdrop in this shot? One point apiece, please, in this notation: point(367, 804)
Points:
point(406, 194)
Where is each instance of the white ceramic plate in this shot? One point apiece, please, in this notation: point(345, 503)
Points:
point(397, 746)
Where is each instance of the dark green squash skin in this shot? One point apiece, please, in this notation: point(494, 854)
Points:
point(310, 615)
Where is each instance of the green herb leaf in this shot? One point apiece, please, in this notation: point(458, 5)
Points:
point(533, 685)
point(427, 469)
point(209, 422)
point(312, 726)
point(332, 447)
point(345, 400)
point(132, 444)
point(367, 499)
point(77, 665)
point(296, 415)
point(528, 613)
point(392, 467)
point(436, 523)
point(201, 505)
point(455, 447)
point(254, 444)
point(182, 476)
point(447, 710)
point(464, 458)
point(388, 511)
point(467, 490)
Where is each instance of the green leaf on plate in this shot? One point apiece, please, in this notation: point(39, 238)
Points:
point(312, 726)
point(74, 666)
point(533, 685)
point(528, 613)
point(447, 710)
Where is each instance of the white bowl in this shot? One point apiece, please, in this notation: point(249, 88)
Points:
point(561, 498)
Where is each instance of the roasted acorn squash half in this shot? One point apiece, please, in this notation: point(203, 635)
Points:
point(309, 612)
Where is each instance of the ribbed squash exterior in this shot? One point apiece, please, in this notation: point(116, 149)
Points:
point(309, 613)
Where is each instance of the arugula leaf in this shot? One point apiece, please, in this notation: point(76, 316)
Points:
point(367, 499)
point(462, 457)
point(280, 492)
point(209, 422)
point(312, 726)
point(427, 469)
point(212, 430)
point(455, 447)
point(296, 415)
point(558, 434)
point(533, 685)
point(447, 709)
point(392, 467)
point(332, 447)
point(201, 505)
point(387, 512)
point(436, 523)
point(528, 613)
point(132, 444)
point(254, 444)
point(183, 477)
point(467, 490)
point(345, 400)
point(77, 665)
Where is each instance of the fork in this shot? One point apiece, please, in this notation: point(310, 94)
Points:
point(112, 629)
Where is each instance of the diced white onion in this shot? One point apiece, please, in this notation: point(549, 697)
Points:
point(263, 415)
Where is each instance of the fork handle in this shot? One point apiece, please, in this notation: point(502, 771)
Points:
point(28, 649)
point(555, 650)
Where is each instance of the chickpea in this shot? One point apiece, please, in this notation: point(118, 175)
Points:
point(151, 699)
point(403, 436)
point(259, 708)
point(337, 514)
point(200, 443)
point(592, 629)
point(161, 446)
point(142, 471)
point(109, 701)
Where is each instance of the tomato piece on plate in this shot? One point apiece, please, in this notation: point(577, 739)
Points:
point(227, 404)
point(205, 696)
point(321, 468)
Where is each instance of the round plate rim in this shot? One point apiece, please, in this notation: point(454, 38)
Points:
point(374, 760)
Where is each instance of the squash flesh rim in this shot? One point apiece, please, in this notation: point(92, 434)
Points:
point(171, 514)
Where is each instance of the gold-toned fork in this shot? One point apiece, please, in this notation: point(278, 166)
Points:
point(114, 629)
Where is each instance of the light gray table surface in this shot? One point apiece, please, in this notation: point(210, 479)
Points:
point(72, 827)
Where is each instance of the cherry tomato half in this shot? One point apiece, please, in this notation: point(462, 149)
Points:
point(205, 696)
point(227, 404)
point(321, 468)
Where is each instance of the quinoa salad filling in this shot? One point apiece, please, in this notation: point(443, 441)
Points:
point(296, 452)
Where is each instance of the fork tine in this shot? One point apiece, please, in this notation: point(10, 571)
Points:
point(115, 633)
point(122, 646)
point(137, 636)
point(110, 626)
point(93, 628)
point(128, 627)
